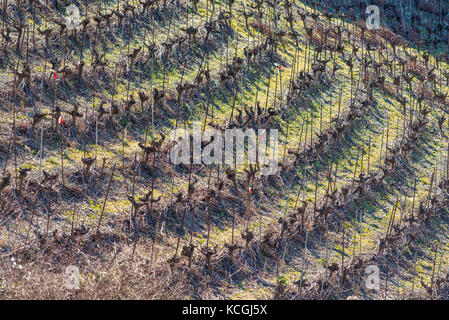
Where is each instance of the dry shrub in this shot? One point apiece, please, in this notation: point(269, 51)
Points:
point(389, 89)
point(413, 35)
point(415, 69)
point(373, 40)
point(321, 30)
point(425, 92)
point(442, 101)
point(100, 277)
point(369, 76)
point(427, 6)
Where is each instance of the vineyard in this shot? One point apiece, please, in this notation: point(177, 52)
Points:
point(357, 207)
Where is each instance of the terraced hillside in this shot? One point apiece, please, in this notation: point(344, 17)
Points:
point(87, 182)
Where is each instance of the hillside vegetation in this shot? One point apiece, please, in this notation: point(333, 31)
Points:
point(86, 178)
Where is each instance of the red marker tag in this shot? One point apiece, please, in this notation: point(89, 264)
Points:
point(60, 121)
point(250, 190)
point(55, 75)
point(388, 129)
